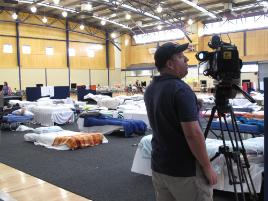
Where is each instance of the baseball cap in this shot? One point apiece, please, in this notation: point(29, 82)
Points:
point(165, 52)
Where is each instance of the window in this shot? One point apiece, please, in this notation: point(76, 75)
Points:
point(7, 48)
point(96, 47)
point(49, 51)
point(26, 49)
point(159, 36)
point(131, 73)
point(144, 73)
point(246, 23)
point(71, 52)
point(247, 68)
point(90, 53)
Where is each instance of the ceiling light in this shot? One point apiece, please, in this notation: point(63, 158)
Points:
point(112, 22)
point(190, 21)
point(113, 15)
point(159, 9)
point(64, 14)
point(159, 27)
point(126, 42)
point(90, 53)
point(128, 16)
point(103, 22)
point(113, 35)
point(139, 23)
point(44, 20)
point(72, 10)
point(96, 47)
point(135, 10)
point(14, 16)
point(56, 1)
point(200, 8)
point(82, 27)
point(33, 9)
point(86, 7)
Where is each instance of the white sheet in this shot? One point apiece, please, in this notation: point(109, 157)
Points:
point(104, 101)
point(137, 115)
point(254, 146)
point(46, 115)
point(47, 139)
point(134, 109)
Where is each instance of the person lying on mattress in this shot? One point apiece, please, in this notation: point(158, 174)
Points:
point(181, 169)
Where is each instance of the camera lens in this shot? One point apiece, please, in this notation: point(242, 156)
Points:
point(201, 56)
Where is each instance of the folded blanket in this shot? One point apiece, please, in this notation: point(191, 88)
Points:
point(259, 123)
point(79, 141)
point(130, 126)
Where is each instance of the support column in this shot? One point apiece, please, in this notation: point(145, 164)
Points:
point(107, 56)
point(18, 50)
point(245, 43)
point(67, 52)
point(46, 76)
point(265, 138)
point(89, 76)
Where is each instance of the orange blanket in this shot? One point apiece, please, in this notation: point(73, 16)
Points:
point(253, 115)
point(80, 140)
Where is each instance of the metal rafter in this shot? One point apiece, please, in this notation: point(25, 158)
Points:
point(141, 10)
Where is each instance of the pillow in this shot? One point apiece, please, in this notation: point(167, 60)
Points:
point(48, 129)
point(22, 112)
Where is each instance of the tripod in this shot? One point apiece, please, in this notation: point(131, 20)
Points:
point(235, 154)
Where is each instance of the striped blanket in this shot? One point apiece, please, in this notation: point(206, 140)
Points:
point(81, 140)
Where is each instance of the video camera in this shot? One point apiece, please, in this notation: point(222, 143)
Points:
point(224, 66)
point(224, 63)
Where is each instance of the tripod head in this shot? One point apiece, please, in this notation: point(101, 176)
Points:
point(224, 91)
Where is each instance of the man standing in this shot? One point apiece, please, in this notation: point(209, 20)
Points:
point(181, 169)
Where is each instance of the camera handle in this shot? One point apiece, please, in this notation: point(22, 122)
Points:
point(234, 155)
point(245, 94)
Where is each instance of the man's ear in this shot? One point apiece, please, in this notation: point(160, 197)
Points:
point(169, 65)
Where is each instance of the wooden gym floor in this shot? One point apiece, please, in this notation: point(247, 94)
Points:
point(18, 186)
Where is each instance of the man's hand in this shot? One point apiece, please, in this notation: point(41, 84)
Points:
point(211, 175)
point(196, 142)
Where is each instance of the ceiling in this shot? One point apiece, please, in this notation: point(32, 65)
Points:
point(144, 15)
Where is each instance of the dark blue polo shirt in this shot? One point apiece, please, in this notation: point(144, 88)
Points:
point(170, 101)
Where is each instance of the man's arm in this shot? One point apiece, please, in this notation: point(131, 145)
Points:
point(196, 142)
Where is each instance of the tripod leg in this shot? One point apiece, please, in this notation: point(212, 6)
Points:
point(210, 121)
point(228, 155)
point(230, 171)
point(236, 153)
point(247, 182)
point(243, 151)
point(228, 131)
point(240, 174)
